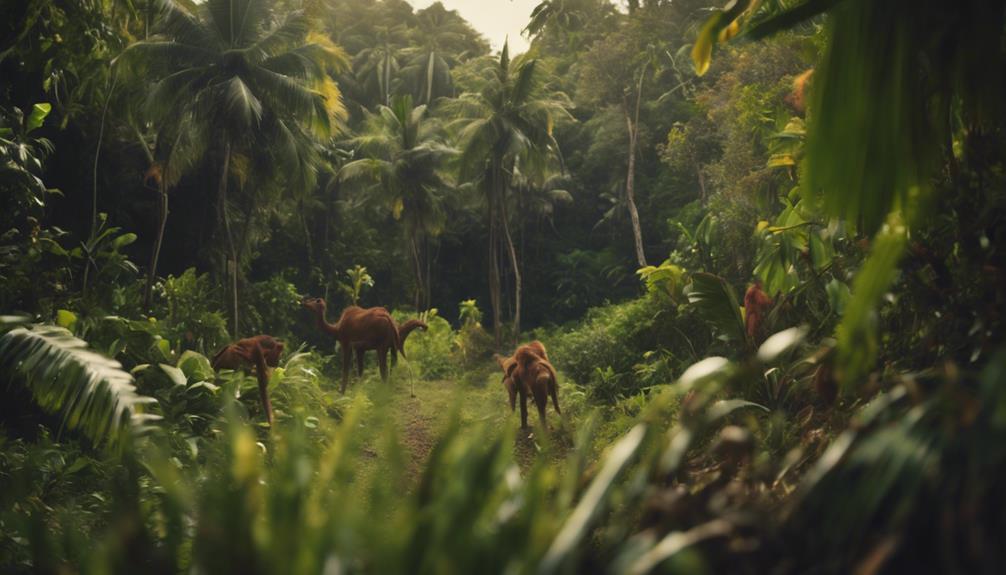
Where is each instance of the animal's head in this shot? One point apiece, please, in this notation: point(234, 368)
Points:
point(315, 304)
point(272, 348)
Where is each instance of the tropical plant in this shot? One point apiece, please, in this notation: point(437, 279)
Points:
point(507, 126)
point(404, 158)
point(359, 278)
point(88, 390)
point(233, 75)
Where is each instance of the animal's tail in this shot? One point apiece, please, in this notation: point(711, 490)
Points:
point(405, 329)
point(397, 341)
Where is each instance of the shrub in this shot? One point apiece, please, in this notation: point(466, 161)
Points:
point(432, 351)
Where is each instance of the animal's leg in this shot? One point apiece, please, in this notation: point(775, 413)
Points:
point(359, 362)
point(553, 390)
point(511, 390)
point(262, 373)
point(382, 361)
point(523, 407)
point(540, 391)
point(347, 359)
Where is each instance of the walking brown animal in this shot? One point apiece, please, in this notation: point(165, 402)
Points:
point(528, 372)
point(260, 352)
point(359, 329)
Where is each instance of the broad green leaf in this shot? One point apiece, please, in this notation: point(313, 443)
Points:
point(579, 522)
point(780, 343)
point(716, 303)
point(66, 318)
point(37, 117)
point(91, 391)
point(176, 375)
point(725, 407)
point(195, 366)
point(703, 371)
point(858, 342)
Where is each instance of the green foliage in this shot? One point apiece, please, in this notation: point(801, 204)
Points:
point(612, 353)
point(190, 314)
point(88, 390)
point(358, 279)
point(272, 306)
point(432, 351)
point(715, 301)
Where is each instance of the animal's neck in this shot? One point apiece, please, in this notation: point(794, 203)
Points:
point(329, 328)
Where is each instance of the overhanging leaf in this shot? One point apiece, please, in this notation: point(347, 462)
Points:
point(715, 301)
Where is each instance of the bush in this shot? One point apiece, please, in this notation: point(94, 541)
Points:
point(192, 321)
point(271, 306)
point(432, 351)
point(620, 349)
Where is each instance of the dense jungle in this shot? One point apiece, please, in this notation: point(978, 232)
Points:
point(347, 286)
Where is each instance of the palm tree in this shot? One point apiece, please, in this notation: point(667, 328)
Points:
point(440, 40)
point(509, 121)
point(404, 157)
point(237, 80)
point(376, 67)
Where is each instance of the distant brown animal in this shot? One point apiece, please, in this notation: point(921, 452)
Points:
point(260, 352)
point(403, 332)
point(756, 307)
point(528, 372)
point(359, 329)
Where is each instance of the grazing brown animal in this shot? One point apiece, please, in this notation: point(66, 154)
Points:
point(403, 332)
point(528, 372)
point(359, 329)
point(260, 352)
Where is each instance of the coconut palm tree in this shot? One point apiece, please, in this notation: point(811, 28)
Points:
point(440, 40)
point(404, 156)
point(238, 80)
point(509, 121)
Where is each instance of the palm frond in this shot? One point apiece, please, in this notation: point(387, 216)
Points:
point(292, 30)
point(185, 28)
point(244, 109)
point(91, 391)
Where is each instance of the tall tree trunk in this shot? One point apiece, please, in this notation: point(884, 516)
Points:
point(630, 179)
point(232, 262)
point(429, 280)
point(494, 271)
point(418, 269)
point(155, 252)
point(162, 222)
point(516, 272)
point(430, 68)
point(494, 274)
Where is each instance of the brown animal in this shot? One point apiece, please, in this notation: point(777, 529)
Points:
point(260, 352)
point(756, 308)
point(403, 332)
point(528, 372)
point(359, 329)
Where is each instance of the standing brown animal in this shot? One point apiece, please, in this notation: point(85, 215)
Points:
point(359, 329)
point(528, 372)
point(260, 352)
point(403, 332)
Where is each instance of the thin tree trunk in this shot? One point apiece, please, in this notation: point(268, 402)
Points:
point(232, 262)
point(418, 268)
point(702, 184)
point(494, 271)
point(516, 274)
point(429, 77)
point(429, 280)
point(94, 181)
point(161, 223)
point(630, 194)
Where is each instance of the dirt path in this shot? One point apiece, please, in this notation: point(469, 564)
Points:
point(419, 421)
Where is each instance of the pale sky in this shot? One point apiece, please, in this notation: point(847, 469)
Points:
point(495, 19)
